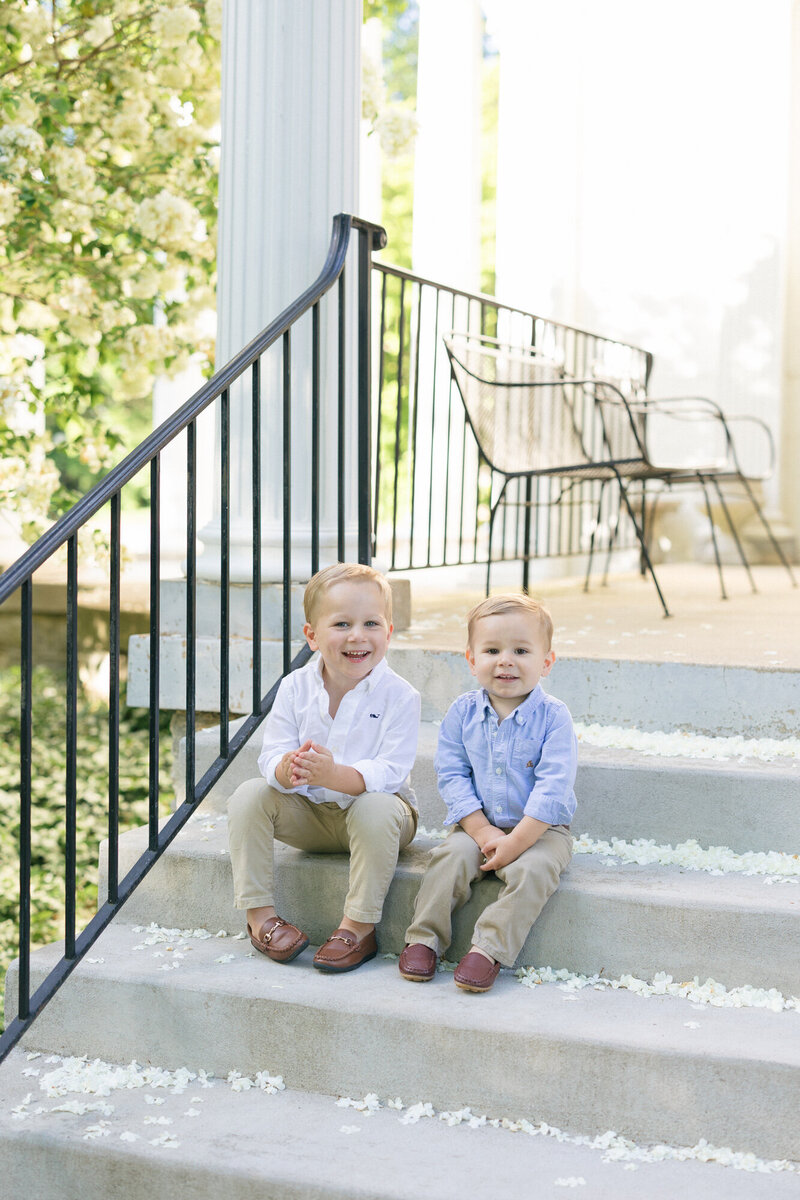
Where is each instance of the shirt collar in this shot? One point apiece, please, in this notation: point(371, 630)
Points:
point(365, 685)
point(522, 712)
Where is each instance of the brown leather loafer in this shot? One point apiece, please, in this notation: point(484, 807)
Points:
point(475, 973)
point(278, 939)
point(417, 963)
point(344, 952)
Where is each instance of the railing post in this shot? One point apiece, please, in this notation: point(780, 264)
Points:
point(369, 238)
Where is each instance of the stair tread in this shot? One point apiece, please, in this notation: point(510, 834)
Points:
point(615, 1017)
point(325, 1151)
point(656, 1068)
point(647, 884)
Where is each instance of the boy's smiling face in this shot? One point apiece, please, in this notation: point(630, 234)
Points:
point(350, 630)
point(508, 657)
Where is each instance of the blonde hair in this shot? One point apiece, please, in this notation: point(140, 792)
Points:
point(509, 602)
point(319, 584)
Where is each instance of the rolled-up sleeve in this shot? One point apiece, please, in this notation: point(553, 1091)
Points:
point(453, 768)
point(552, 799)
point(281, 733)
point(395, 754)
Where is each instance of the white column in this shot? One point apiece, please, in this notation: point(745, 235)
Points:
point(538, 160)
point(447, 171)
point(289, 163)
point(790, 441)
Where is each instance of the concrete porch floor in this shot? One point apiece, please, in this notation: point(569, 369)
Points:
point(624, 620)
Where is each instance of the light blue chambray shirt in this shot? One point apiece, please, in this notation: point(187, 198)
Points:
point(522, 766)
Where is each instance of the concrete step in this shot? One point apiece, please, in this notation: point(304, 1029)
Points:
point(746, 805)
point(651, 1069)
point(326, 1151)
point(615, 919)
point(649, 695)
point(714, 700)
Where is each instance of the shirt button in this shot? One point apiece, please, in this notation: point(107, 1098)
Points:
point(498, 770)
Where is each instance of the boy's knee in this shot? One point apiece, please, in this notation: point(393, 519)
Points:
point(376, 811)
point(457, 854)
point(250, 797)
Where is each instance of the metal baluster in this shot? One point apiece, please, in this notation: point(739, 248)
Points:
point(398, 416)
point(413, 437)
point(287, 499)
point(25, 750)
point(256, 499)
point(433, 417)
point(113, 701)
point(379, 418)
point(340, 427)
point(315, 438)
point(224, 572)
point(71, 748)
point(155, 646)
point(191, 609)
point(364, 436)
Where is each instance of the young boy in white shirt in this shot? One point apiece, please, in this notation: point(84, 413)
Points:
point(338, 746)
point(506, 763)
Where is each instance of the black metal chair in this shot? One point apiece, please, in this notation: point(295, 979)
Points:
point(532, 420)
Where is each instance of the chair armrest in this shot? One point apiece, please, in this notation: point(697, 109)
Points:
point(702, 409)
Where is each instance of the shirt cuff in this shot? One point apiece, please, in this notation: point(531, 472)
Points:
point(549, 810)
point(462, 808)
point(374, 774)
point(268, 771)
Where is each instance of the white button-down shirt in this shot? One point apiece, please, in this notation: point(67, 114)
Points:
point(375, 729)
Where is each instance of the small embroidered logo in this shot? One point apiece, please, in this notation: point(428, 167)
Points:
point(375, 715)
point(529, 763)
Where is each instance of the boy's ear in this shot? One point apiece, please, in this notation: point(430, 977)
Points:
point(470, 657)
point(547, 666)
point(308, 632)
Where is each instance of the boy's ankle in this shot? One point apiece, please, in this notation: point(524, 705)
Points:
point(485, 953)
point(360, 928)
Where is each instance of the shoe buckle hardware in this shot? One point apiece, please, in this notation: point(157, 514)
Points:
point(268, 936)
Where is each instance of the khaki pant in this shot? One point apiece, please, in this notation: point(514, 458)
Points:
point(503, 926)
point(373, 829)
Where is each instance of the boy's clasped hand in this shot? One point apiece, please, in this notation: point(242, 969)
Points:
point(338, 747)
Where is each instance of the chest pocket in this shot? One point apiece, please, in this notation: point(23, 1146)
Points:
point(527, 759)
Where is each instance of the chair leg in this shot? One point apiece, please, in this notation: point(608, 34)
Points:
point(594, 531)
point(775, 543)
point(492, 514)
point(645, 556)
point(734, 534)
point(526, 547)
point(713, 536)
point(613, 530)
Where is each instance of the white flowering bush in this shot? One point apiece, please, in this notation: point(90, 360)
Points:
point(109, 113)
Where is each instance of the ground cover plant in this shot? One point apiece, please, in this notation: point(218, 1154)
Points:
point(48, 837)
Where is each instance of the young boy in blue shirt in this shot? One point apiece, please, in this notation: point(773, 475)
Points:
point(506, 763)
point(338, 747)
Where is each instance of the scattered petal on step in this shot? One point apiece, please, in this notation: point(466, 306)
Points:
point(168, 1140)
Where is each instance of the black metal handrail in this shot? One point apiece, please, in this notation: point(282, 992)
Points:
point(432, 494)
point(328, 288)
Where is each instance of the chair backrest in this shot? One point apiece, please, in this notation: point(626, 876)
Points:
point(520, 405)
